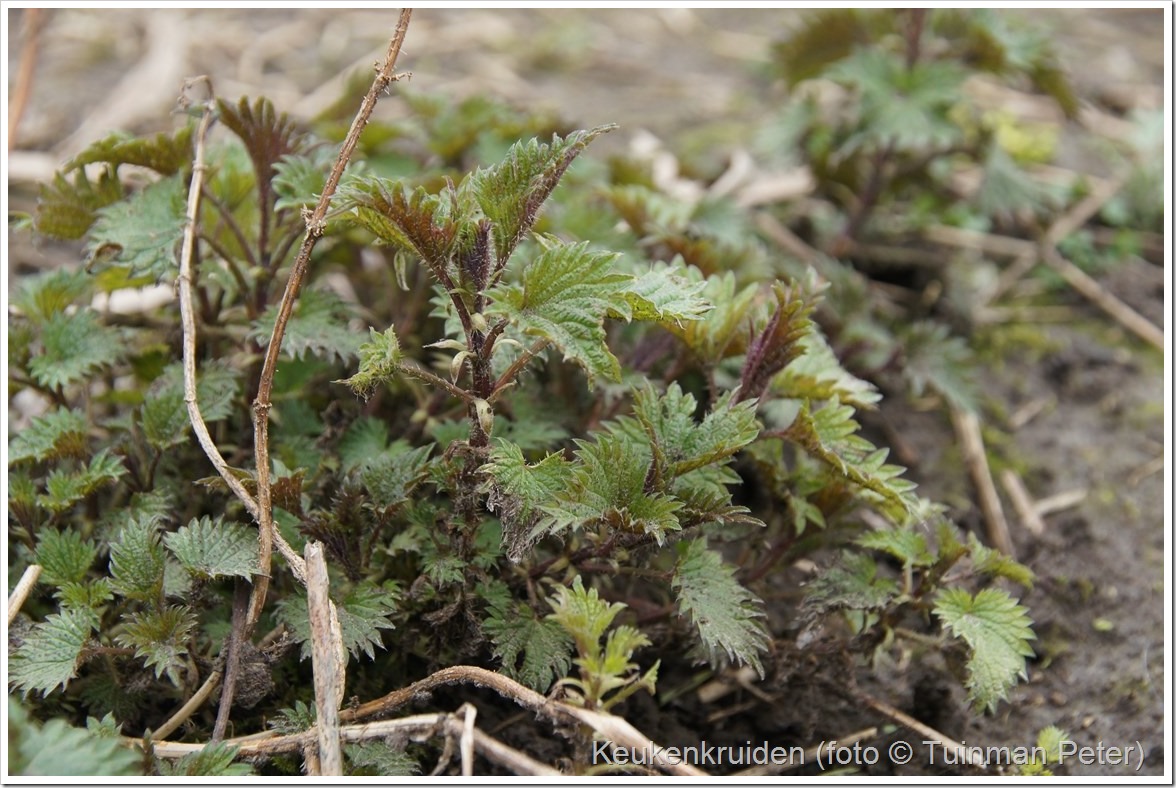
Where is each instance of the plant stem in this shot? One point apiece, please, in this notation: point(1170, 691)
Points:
point(188, 319)
point(314, 230)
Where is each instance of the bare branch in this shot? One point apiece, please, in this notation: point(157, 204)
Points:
point(328, 657)
point(22, 591)
point(261, 404)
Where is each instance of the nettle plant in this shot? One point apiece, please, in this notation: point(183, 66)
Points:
point(519, 448)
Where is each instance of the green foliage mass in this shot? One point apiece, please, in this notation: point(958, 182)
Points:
point(558, 432)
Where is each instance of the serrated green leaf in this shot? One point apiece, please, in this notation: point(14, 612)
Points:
point(722, 331)
point(544, 645)
point(726, 615)
point(686, 445)
point(213, 760)
point(1007, 191)
point(208, 548)
point(390, 476)
point(823, 38)
point(414, 220)
point(59, 750)
point(142, 231)
point(997, 629)
point(607, 488)
point(564, 296)
point(299, 178)
point(165, 153)
point(830, 435)
point(379, 759)
point(365, 438)
point(74, 346)
point(905, 544)
point(164, 414)
point(65, 488)
point(902, 108)
point(363, 612)
point(852, 583)
point(519, 490)
point(663, 295)
point(91, 595)
point(318, 326)
point(137, 560)
point(42, 296)
point(816, 374)
point(160, 638)
point(583, 614)
point(378, 362)
point(49, 656)
point(295, 719)
point(994, 563)
point(64, 556)
point(59, 433)
point(511, 193)
point(68, 209)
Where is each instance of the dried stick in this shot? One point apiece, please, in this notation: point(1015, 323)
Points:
point(963, 754)
point(261, 404)
point(188, 319)
point(23, 588)
point(33, 22)
point(1079, 280)
point(469, 714)
point(327, 656)
point(1022, 502)
point(189, 708)
point(967, 429)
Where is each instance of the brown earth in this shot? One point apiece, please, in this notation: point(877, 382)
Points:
point(695, 79)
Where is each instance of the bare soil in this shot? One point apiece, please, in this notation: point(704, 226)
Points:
point(696, 79)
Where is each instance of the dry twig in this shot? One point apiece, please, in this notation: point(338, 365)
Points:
point(1022, 502)
point(810, 755)
point(188, 709)
point(967, 428)
point(33, 22)
point(328, 657)
point(963, 754)
point(23, 588)
point(261, 404)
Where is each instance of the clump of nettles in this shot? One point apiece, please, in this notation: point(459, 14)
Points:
point(544, 422)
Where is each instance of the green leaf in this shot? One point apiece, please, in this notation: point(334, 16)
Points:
point(137, 560)
point(823, 38)
point(726, 615)
point(378, 362)
point(379, 759)
point(902, 108)
point(997, 630)
point(213, 760)
point(416, 221)
point(42, 296)
point(722, 331)
point(852, 583)
point(91, 595)
point(511, 193)
point(391, 475)
point(905, 544)
point(584, 615)
point(164, 414)
point(544, 645)
point(663, 295)
point(59, 750)
point(816, 374)
point(64, 556)
point(363, 612)
point(74, 347)
point(607, 489)
point(318, 326)
point(1007, 191)
point(165, 153)
point(829, 434)
point(59, 433)
point(299, 178)
point(994, 563)
point(686, 445)
point(208, 548)
point(160, 639)
point(519, 490)
point(67, 210)
point(65, 488)
point(50, 654)
point(564, 296)
point(143, 231)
